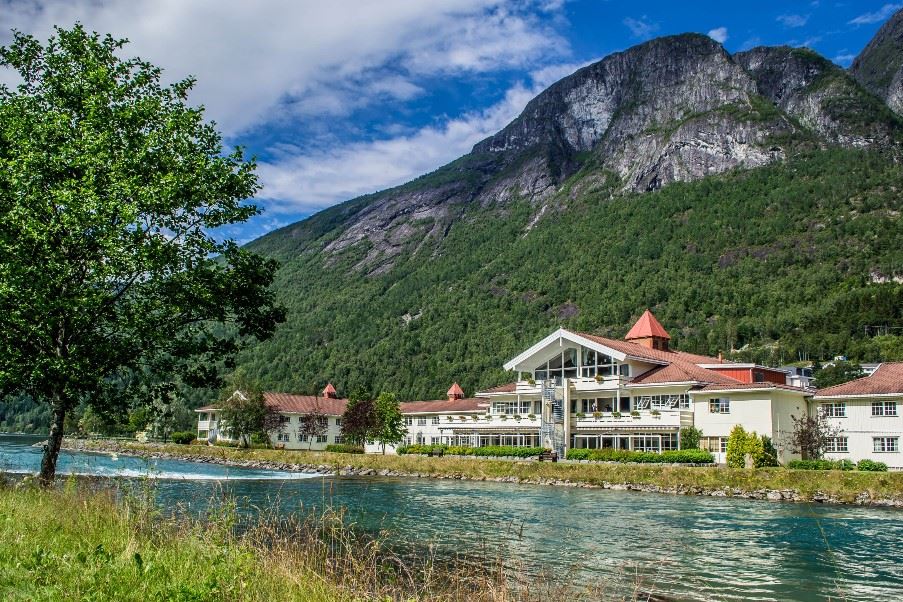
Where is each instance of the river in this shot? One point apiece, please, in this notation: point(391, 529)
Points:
point(679, 547)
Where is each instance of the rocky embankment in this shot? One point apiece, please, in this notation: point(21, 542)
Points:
point(337, 468)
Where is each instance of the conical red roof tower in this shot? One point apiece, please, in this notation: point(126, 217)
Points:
point(330, 391)
point(649, 332)
point(455, 392)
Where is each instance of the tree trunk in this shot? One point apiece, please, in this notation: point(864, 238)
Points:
point(52, 447)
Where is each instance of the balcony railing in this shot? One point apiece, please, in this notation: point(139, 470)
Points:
point(641, 418)
point(492, 421)
point(582, 383)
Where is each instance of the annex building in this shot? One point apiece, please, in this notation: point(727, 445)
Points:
point(579, 390)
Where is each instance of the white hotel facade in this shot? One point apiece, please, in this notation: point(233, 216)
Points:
point(578, 390)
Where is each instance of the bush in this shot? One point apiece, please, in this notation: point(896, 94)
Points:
point(460, 450)
point(689, 437)
point(821, 465)
point(344, 448)
point(183, 437)
point(676, 456)
point(871, 466)
point(740, 443)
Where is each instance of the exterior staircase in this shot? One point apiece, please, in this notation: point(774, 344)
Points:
point(553, 430)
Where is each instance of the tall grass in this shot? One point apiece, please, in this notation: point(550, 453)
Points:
point(86, 541)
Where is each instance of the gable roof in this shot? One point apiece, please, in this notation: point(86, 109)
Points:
point(886, 380)
point(647, 326)
point(764, 386)
point(680, 371)
point(296, 404)
point(506, 388)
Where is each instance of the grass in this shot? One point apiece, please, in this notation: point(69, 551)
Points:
point(79, 542)
point(843, 485)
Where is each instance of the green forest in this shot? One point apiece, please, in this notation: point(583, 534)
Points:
point(793, 261)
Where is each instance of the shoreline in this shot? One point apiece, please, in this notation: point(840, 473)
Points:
point(648, 479)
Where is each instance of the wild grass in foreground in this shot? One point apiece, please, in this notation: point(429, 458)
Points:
point(83, 543)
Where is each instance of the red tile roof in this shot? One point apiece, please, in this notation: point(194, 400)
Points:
point(472, 404)
point(329, 391)
point(679, 371)
point(655, 355)
point(886, 380)
point(455, 391)
point(296, 404)
point(763, 385)
point(506, 388)
point(647, 326)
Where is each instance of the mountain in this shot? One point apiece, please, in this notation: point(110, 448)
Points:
point(752, 200)
point(879, 67)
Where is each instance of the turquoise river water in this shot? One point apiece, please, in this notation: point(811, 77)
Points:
point(678, 547)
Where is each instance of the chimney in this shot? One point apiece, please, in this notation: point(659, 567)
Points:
point(455, 392)
point(329, 391)
point(720, 358)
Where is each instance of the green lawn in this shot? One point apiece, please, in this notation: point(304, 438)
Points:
point(845, 485)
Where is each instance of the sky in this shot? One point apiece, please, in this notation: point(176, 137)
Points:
point(341, 98)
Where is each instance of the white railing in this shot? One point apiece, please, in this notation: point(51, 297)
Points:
point(492, 421)
point(607, 383)
point(644, 418)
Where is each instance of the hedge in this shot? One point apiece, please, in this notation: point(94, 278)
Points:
point(459, 450)
point(871, 466)
point(344, 448)
point(821, 465)
point(677, 456)
point(183, 437)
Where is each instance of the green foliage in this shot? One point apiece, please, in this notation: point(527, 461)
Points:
point(344, 448)
point(775, 260)
point(871, 466)
point(689, 437)
point(740, 443)
point(183, 437)
point(390, 429)
point(677, 456)
point(821, 465)
point(837, 373)
point(460, 450)
point(243, 411)
point(109, 187)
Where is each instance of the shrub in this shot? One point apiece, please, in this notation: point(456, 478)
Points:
point(871, 466)
point(183, 437)
point(740, 443)
point(821, 465)
point(344, 448)
point(689, 437)
point(677, 456)
point(459, 450)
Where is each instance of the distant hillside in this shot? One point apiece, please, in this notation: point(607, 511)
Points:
point(879, 67)
point(753, 201)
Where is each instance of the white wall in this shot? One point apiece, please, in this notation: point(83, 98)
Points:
point(860, 427)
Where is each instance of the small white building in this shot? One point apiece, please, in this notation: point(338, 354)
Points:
point(867, 413)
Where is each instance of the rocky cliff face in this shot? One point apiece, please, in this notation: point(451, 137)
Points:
point(879, 67)
point(672, 109)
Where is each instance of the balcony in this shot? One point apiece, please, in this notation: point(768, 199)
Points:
point(607, 383)
point(643, 419)
point(490, 422)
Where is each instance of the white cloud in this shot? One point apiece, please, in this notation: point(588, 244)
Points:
point(258, 60)
point(792, 20)
point(299, 182)
point(876, 17)
point(844, 60)
point(641, 28)
point(719, 34)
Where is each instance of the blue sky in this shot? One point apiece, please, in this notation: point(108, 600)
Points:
point(341, 98)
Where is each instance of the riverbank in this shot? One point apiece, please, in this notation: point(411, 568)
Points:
point(776, 484)
point(80, 542)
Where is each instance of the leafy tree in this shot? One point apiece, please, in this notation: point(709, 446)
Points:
point(837, 373)
point(360, 421)
point(390, 428)
point(109, 186)
point(245, 413)
point(810, 435)
point(689, 437)
point(314, 424)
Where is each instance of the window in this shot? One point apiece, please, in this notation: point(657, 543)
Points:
point(837, 445)
point(283, 419)
point(421, 422)
point(322, 438)
point(435, 420)
point(714, 444)
point(204, 416)
point(720, 406)
point(646, 443)
point(283, 437)
point(408, 421)
point(511, 408)
point(202, 435)
point(884, 408)
point(302, 438)
point(435, 440)
point(886, 444)
point(339, 439)
point(834, 410)
point(338, 422)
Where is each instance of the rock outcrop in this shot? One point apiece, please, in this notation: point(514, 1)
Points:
point(879, 67)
